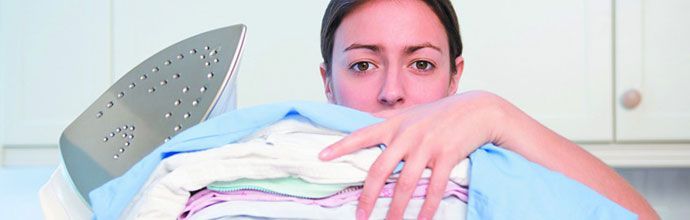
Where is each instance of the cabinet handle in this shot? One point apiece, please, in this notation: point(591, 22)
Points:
point(631, 98)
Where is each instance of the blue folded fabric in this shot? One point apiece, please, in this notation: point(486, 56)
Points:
point(503, 185)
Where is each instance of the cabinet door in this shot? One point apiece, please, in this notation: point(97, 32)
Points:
point(653, 59)
point(54, 62)
point(553, 59)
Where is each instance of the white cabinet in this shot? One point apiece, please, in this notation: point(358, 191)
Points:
point(54, 61)
point(566, 62)
point(561, 62)
point(281, 57)
point(653, 58)
point(553, 59)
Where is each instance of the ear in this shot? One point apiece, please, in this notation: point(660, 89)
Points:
point(326, 84)
point(455, 78)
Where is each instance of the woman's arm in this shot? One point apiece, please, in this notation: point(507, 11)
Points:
point(522, 134)
point(440, 134)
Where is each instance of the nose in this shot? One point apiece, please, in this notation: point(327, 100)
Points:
point(392, 93)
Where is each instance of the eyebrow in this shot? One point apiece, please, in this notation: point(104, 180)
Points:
point(413, 48)
point(374, 48)
point(408, 50)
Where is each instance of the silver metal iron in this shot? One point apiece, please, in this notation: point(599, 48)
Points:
point(173, 90)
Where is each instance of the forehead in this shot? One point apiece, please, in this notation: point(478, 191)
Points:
point(391, 24)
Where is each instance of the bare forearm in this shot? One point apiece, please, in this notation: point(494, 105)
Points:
point(527, 137)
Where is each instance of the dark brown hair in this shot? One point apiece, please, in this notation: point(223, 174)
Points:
point(338, 9)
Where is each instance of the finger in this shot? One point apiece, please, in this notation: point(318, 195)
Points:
point(406, 185)
point(378, 173)
point(436, 189)
point(362, 138)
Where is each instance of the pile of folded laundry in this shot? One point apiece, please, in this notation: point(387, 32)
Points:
point(275, 173)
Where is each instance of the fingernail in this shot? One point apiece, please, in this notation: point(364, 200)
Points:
point(325, 153)
point(361, 215)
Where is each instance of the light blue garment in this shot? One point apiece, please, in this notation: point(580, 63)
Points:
point(504, 185)
point(493, 170)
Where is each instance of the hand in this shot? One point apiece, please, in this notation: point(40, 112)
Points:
point(437, 135)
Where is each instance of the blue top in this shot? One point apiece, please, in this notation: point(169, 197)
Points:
point(503, 185)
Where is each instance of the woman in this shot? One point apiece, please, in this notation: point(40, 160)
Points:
point(401, 60)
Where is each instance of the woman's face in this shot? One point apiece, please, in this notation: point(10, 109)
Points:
point(389, 55)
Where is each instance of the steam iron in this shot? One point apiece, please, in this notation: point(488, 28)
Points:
point(175, 89)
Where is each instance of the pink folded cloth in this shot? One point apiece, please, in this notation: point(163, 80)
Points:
point(206, 198)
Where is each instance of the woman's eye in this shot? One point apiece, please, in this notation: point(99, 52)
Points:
point(423, 65)
point(362, 66)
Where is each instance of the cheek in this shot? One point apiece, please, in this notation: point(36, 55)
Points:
point(424, 90)
point(358, 94)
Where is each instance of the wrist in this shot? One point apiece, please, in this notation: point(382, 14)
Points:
point(500, 119)
point(494, 114)
point(514, 129)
